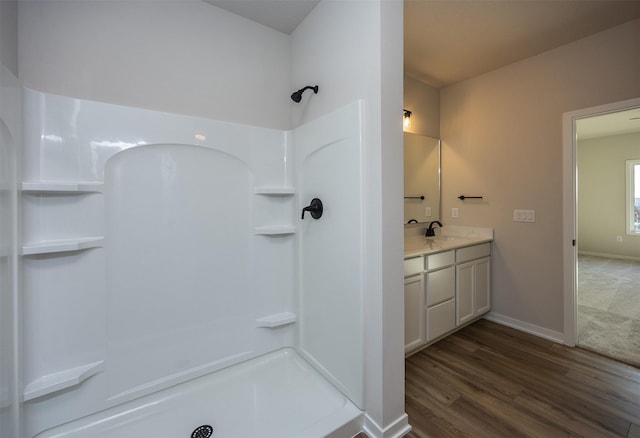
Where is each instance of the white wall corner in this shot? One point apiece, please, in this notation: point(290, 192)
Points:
point(396, 429)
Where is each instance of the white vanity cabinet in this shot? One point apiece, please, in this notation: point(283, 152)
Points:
point(473, 282)
point(414, 330)
point(444, 291)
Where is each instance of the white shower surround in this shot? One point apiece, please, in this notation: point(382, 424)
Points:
point(288, 283)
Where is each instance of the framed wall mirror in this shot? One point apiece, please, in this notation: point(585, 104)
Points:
point(421, 178)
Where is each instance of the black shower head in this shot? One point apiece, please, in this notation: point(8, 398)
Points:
point(297, 96)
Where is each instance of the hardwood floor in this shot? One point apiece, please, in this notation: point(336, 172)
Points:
point(491, 381)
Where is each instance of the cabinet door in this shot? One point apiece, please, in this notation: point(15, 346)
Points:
point(464, 292)
point(414, 312)
point(482, 286)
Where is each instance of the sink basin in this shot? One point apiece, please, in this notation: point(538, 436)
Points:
point(433, 243)
point(443, 238)
point(452, 238)
point(422, 244)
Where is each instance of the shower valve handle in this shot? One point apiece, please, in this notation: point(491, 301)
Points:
point(315, 208)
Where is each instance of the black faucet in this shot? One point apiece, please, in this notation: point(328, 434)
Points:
point(431, 231)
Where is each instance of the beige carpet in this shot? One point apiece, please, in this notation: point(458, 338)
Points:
point(609, 307)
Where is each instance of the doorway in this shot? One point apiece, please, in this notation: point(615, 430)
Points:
point(601, 255)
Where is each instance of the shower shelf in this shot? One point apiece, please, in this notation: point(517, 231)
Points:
point(61, 380)
point(275, 230)
point(53, 246)
point(274, 191)
point(63, 187)
point(276, 320)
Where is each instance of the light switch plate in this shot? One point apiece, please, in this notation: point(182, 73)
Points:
point(524, 215)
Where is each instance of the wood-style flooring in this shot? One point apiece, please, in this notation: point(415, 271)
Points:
point(490, 381)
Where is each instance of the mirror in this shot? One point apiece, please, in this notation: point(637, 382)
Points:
point(421, 178)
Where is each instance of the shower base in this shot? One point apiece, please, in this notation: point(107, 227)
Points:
point(276, 395)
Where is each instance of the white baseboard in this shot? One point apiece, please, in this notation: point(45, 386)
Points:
point(397, 429)
point(533, 329)
point(609, 256)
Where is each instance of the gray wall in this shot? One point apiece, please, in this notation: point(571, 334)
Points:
point(502, 139)
point(10, 136)
point(602, 196)
point(424, 103)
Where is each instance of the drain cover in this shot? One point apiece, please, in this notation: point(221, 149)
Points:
point(204, 431)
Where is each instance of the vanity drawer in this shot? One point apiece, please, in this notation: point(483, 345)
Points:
point(413, 266)
point(441, 285)
point(441, 319)
point(473, 252)
point(439, 260)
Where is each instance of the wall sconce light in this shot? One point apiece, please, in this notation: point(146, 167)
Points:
point(406, 119)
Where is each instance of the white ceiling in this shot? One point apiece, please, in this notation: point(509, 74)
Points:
point(281, 15)
point(449, 41)
point(623, 122)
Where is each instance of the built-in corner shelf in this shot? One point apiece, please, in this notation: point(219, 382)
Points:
point(274, 191)
point(275, 230)
point(276, 320)
point(63, 187)
point(61, 380)
point(53, 246)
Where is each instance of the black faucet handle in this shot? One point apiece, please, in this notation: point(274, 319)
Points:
point(315, 208)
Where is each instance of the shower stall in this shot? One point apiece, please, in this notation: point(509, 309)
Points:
point(169, 285)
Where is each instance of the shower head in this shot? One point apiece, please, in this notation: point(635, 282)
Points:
point(297, 96)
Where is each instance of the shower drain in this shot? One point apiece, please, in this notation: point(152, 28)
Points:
point(204, 431)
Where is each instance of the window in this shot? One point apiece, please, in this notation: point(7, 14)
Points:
point(633, 196)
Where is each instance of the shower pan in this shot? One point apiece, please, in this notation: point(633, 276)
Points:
point(170, 286)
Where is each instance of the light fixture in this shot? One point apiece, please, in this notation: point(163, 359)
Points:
point(406, 118)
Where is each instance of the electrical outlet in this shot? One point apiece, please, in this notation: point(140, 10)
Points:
point(619, 239)
point(427, 211)
point(454, 212)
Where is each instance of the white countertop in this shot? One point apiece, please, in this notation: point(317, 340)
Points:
point(447, 237)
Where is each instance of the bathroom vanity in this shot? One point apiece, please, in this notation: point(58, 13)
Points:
point(447, 282)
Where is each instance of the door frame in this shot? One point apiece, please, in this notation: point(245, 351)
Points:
point(569, 202)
